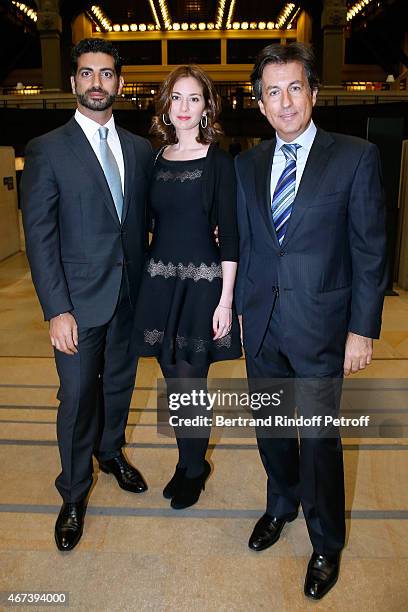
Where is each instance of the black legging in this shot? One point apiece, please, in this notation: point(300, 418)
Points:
point(191, 450)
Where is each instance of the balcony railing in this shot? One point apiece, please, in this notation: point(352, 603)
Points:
point(235, 96)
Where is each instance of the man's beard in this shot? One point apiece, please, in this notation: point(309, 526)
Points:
point(97, 105)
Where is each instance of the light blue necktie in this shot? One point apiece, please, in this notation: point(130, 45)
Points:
point(111, 170)
point(284, 194)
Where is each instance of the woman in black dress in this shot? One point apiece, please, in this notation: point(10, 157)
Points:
point(184, 315)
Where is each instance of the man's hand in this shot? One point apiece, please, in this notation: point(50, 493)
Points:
point(64, 333)
point(359, 351)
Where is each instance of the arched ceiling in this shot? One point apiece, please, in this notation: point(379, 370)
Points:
point(377, 29)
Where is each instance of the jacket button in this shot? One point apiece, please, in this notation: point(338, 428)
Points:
point(282, 253)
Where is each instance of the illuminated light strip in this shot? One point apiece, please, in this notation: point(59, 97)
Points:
point(285, 20)
point(154, 13)
point(220, 14)
point(27, 10)
point(200, 26)
point(27, 90)
point(292, 19)
point(354, 10)
point(135, 27)
point(176, 27)
point(252, 25)
point(165, 14)
point(285, 15)
point(103, 22)
point(230, 14)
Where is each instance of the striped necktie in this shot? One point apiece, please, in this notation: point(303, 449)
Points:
point(111, 170)
point(284, 194)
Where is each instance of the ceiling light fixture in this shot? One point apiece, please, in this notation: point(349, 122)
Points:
point(165, 14)
point(154, 13)
point(354, 10)
point(219, 20)
point(100, 18)
point(285, 16)
point(27, 10)
point(230, 14)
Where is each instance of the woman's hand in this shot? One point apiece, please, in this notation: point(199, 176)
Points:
point(222, 321)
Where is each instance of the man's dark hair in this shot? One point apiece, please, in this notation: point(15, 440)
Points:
point(283, 54)
point(95, 45)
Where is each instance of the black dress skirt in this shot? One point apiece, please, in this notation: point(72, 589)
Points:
point(182, 280)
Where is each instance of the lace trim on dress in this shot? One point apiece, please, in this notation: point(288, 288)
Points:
point(196, 273)
point(198, 345)
point(186, 175)
point(153, 336)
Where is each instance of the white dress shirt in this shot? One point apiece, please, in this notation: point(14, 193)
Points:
point(91, 128)
point(305, 141)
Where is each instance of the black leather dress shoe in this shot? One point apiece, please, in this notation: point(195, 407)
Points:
point(128, 477)
point(70, 525)
point(322, 574)
point(267, 531)
point(190, 489)
point(173, 486)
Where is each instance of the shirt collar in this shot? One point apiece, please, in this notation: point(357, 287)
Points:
point(305, 139)
point(91, 127)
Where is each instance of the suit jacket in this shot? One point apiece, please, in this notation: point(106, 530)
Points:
point(331, 266)
point(77, 248)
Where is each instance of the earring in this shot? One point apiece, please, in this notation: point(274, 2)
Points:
point(202, 122)
point(164, 120)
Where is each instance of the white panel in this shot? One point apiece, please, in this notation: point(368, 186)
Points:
point(9, 228)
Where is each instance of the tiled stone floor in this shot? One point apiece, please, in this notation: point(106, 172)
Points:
point(137, 553)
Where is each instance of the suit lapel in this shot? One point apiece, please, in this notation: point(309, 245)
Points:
point(263, 168)
point(129, 163)
point(312, 176)
point(81, 147)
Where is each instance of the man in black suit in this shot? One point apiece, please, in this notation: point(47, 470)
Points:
point(83, 199)
point(310, 291)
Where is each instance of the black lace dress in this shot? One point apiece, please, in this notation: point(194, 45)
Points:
point(182, 280)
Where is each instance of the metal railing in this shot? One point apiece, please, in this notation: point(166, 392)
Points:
point(235, 96)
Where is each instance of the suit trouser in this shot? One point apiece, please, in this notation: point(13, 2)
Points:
point(309, 471)
point(96, 386)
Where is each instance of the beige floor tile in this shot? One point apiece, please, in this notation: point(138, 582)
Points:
point(228, 487)
point(159, 559)
point(40, 529)
point(139, 581)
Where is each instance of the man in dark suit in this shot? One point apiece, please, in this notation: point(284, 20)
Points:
point(310, 291)
point(83, 199)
